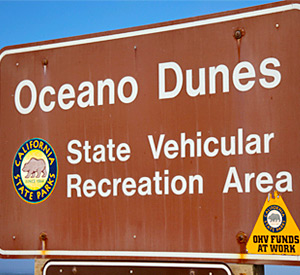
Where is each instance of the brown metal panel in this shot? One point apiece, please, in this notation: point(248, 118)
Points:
point(207, 222)
point(90, 267)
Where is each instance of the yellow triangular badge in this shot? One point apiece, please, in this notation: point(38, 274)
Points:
point(275, 231)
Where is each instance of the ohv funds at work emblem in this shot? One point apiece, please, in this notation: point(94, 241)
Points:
point(35, 171)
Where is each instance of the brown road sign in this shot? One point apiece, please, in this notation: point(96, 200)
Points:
point(148, 268)
point(152, 142)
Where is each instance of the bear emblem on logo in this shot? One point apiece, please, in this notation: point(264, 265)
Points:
point(34, 168)
point(274, 217)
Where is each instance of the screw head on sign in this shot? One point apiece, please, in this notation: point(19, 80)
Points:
point(43, 236)
point(45, 62)
point(241, 237)
point(239, 33)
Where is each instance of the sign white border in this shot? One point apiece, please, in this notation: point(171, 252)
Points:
point(150, 254)
point(191, 255)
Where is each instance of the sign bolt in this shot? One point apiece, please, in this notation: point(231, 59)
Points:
point(134, 236)
point(43, 236)
point(14, 237)
point(45, 62)
point(74, 270)
point(239, 33)
point(241, 237)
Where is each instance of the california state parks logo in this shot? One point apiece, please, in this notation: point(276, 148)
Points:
point(35, 171)
point(274, 218)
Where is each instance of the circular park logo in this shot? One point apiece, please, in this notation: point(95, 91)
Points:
point(274, 218)
point(35, 171)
